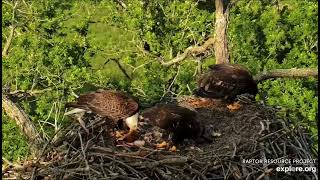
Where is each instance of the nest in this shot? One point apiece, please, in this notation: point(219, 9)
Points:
point(249, 142)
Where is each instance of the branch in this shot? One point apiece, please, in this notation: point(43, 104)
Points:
point(24, 123)
point(28, 92)
point(8, 42)
point(279, 73)
point(122, 4)
point(122, 69)
point(191, 51)
point(12, 28)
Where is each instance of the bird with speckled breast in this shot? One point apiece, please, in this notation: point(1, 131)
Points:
point(116, 106)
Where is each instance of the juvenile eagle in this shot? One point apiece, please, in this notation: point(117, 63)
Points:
point(226, 81)
point(179, 121)
point(115, 105)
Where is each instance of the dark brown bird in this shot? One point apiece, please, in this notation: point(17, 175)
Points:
point(179, 121)
point(115, 105)
point(226, 81)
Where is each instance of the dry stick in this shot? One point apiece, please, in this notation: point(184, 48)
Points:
point(174, 79)
point(24, 123)
point(163, 174)
point(87, 168)
point(274, 150)
point(135, 172)
point(293, 72)
point(33, 173)
point(268, 135)
point(181, 160)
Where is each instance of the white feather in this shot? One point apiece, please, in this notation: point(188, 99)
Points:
point(132, 121)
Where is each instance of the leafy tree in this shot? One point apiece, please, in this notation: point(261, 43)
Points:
point(64, 47)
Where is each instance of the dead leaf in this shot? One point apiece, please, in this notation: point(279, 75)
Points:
point(234, 106)
point(173, 149)
point(164, 144)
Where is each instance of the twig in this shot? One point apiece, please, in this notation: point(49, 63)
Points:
point(171, 84)
point(119, 66)
point(83, 153)
point(33, 173)
point(196, 172)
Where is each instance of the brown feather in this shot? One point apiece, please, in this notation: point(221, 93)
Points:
point(176, 119)
point(114, 105)
point(226, 81)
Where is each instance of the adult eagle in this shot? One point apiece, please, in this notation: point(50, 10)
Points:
point(226, 81)
point(179, 121)
point(114, 105)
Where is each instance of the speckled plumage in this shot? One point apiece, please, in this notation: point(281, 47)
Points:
point(226, 81)
point(114, 105)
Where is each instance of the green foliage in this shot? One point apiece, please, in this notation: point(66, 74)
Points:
point(14, 146)
point(62, 47)
point(280, 34)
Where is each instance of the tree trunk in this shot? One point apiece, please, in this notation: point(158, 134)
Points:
point(221, 41)
point(24, 123)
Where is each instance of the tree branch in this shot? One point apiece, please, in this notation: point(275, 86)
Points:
point(8, 42)
point(24, 123)
point(191, 51)
point(278, 73)
point(122, 4)
point(122, 69)
point(5, 50)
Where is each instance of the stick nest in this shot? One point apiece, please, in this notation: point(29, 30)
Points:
point(252, 132)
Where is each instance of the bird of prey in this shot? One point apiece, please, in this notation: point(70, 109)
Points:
point(179, 121)
point(226, 81)
point(116, 106)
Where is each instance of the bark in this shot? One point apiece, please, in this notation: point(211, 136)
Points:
point(280, 73)
point(221, 23)
point(24, 123)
